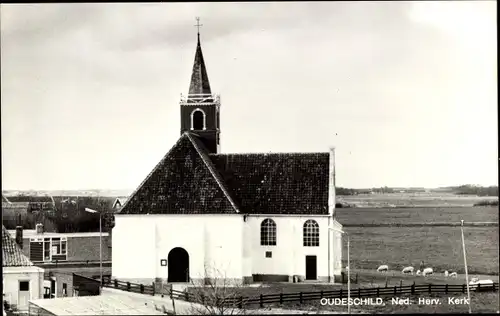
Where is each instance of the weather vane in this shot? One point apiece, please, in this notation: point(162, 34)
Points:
point(198, 24)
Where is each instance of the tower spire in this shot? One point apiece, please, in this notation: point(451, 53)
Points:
point(199, 78)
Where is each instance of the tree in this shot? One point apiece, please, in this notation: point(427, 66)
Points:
point(217, 295)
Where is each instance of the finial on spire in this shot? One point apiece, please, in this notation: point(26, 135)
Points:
point(198, 26)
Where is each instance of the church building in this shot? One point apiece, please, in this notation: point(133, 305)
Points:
point(201, 214)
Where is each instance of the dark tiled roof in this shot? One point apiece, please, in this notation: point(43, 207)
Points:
point(182, 183)
point(189, 181)
point(12, 254)
point(284, 183)
point(30, 198)
point(199, 78)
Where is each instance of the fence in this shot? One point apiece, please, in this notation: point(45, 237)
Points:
point(241, 301)
point(128, 286)
point(301, 297)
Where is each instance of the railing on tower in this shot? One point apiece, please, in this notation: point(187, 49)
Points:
point(200, 98)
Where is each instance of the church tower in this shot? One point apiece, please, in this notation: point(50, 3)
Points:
point(200, 109)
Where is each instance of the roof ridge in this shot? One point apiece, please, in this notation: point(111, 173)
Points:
point(270, 153)
point(150, 174)
point(213, 170)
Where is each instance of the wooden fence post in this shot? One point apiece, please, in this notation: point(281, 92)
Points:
point(128, 286)
point(413, 288)
point(300, 297)
point(463, 288)
point(359, 293)
point(240, 304)
point(340, 293)
point(478, 287)
point(446, 288)
point(154, 289)
point(281, 298)
point(400, 285)
point(430, 287)
point(395, 289)
point(494, 287)
point(116, 283)
point(378, 291)
point(321, 294)
point(142, 288)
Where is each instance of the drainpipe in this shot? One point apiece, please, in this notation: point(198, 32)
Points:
point(331, 207)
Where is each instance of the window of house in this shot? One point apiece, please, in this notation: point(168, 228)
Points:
point(64, 289)
point(58, 246)
point(311, 233)
point(268, 232)
point(198, 120)
point(46, 249)
point(269, 254)
point(24, 285)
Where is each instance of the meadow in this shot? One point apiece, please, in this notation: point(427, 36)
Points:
point(438, 246)
point(409, 215)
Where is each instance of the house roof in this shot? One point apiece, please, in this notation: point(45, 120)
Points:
point(188, 180)
point(183, 182)
point(31, 199)
point(12, 255)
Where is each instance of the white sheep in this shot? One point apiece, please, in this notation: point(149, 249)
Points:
point(453, 275)
point(446, 273)
point(408, 270)
point(427, 271)
point(419, 272)
point(383, 267)
point(473, 285)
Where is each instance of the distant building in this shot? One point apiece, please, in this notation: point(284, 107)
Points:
point(118, 203)
point(62, 254)
point(22, 280)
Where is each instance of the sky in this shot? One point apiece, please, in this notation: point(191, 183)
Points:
point(406, 92)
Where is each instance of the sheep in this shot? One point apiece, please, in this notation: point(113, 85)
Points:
point(476, 284)
point(453, 275)
point(383, 267)
point(446, 273)
point(427, 271)
point(419, 272)
point(408, 270)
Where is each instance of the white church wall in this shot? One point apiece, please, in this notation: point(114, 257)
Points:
point(288, 256)
point(132, 250)
point(214, 244)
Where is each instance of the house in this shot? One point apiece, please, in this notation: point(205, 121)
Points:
point(22, 281)
point(243, 217)
point(118, 203)
point(62, 254)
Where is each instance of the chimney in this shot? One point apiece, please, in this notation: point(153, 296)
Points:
point(19, 236)
point(331, 184)
point(39, 228)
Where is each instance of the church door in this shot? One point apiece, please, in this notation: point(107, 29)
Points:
point(178, 265)
point(311, 272)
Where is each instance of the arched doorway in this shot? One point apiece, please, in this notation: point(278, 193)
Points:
point(178, 265)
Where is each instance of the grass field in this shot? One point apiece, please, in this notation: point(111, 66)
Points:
point(359, 216)
point(438, 247)
point(414, 200)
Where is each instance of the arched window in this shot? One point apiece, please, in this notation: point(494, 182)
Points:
point(311, 233)
point(198, 120)
point(268, 232)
